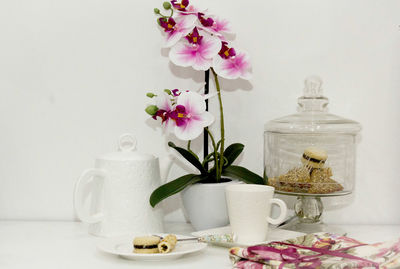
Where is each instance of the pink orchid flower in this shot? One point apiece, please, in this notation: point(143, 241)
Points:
point(190, 115)
point(184, 8)
point(231, 64)
point(181, 6)
point(165, 107)
point(177, 28)
point(196, 51)
point(214, 25)
point(222, 26)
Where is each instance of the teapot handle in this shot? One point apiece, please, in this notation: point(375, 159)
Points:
point(87, 176)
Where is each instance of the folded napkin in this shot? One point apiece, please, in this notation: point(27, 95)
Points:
point(319, 250)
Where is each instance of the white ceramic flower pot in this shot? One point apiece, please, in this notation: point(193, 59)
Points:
point(205, 205)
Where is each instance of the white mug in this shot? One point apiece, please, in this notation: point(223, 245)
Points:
point(249, 207)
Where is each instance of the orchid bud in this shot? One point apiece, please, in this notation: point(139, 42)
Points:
point(157, 11)
point(167, 5)
point(151, 110)
point(150, 94)
point(168, 91)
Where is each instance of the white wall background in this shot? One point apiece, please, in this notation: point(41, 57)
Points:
point(73, 77)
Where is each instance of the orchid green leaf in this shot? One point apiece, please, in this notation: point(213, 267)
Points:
point(265, 178)
point(232, 152)
point(190, 157)
point(173, 187)
point(242, 174)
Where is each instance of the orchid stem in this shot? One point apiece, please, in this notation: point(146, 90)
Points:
point(205, 135)
point(164, 16)
point(188, 148)
point(216, 163)
point(221, 110)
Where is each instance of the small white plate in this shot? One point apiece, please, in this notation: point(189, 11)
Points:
point(122, 246)
point(274, 234)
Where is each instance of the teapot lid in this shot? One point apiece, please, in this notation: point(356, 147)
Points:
point(127, 150)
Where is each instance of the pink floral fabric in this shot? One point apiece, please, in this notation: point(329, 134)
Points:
point(320, 250)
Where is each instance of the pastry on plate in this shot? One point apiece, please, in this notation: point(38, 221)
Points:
point(328, 186)
point(314, 157)
point(167, 244)
point(321, 175)
point(312, 177)
point(146, 244)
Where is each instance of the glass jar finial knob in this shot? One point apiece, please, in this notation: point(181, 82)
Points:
point(313, 87)
point(313, 100)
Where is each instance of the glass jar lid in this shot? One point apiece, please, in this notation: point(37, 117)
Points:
point(313, 116)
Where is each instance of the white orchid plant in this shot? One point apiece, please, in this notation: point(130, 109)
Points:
point(198, 40)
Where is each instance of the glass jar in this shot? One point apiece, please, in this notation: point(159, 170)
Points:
point(311, 152)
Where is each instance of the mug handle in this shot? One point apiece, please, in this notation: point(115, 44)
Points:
point(86, 177)
point(283, 213)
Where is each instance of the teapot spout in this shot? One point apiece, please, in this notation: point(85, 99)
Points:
point(165, 166)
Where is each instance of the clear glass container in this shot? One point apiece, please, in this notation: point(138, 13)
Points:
point(311, 153)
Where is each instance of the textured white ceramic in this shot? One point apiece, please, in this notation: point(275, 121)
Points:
point(249, 209)
point(120, 186)
point(274, 234)
point(205, 205)
point(123, 247)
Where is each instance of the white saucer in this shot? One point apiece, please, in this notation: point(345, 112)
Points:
point(122, 246)
point(274, 234)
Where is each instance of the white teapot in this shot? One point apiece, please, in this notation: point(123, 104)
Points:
point(120, 186)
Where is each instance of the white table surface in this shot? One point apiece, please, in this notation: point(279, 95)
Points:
point(59, 245)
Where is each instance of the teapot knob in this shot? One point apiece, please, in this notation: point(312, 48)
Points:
point(127, 142)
